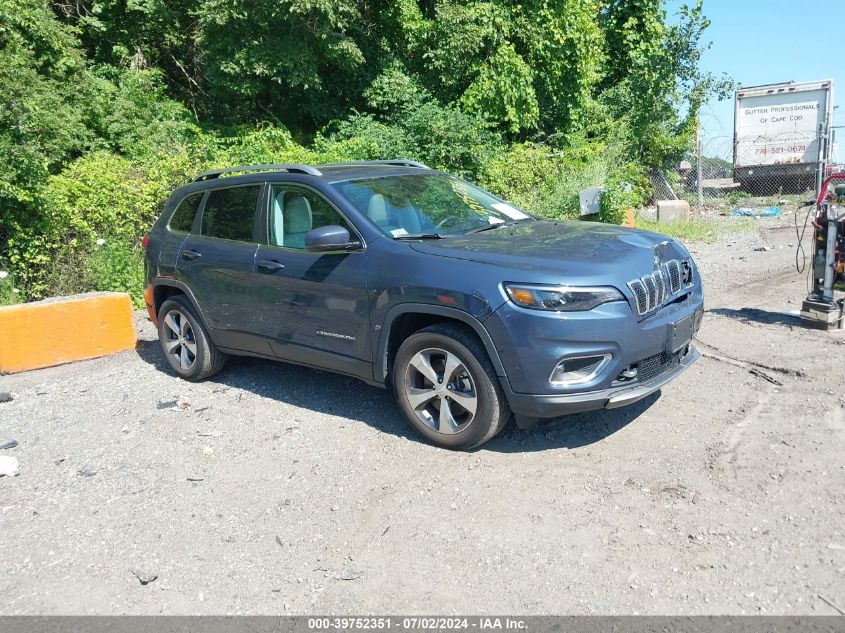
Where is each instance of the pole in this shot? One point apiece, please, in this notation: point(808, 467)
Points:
point(698, 161)
point(820, 166)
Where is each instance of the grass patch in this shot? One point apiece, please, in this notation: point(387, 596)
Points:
point(697, 230)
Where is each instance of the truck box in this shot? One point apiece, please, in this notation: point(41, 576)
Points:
point(780, 133)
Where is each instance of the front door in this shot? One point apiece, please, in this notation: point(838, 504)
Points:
point(314, 305)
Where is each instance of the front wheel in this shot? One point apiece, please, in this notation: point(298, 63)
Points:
point(447, 388)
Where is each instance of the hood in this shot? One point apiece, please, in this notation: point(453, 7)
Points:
point(582, 252)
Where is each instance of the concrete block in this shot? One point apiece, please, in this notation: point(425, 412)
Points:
point(65, 329)
point(673, 211)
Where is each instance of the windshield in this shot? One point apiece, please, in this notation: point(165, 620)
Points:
point(427, 204)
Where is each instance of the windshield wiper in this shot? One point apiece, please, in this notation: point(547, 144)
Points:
point(496, 225)
point(420, 236)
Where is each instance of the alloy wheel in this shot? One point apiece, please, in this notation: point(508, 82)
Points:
point(179, 340)
point(440, 390)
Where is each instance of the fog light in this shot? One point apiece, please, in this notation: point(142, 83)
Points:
point(579, 370)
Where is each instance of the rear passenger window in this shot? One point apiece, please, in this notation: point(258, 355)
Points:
point(230, 213)
point(183, 218)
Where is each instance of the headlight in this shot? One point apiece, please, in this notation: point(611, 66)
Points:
point(561, 298)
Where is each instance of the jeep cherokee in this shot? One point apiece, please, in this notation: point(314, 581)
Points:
point(413, 279)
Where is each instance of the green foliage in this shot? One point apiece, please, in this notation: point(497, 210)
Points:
point(735, 197)
point(362, 137)
point(394, 89)
point(697, 230)
point(503, 92)
point(9, 292)
point(118, 266)
point(44, 95)
point(587, 164)
point(289, 57)
point(652, 77)
point(564, 46)
point(520, 173)
point(113, 266)
point(442, 137)
point(135, 117)
point(106, 105)
point(99, 196)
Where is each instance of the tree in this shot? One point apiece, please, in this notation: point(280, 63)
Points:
point(652, 77)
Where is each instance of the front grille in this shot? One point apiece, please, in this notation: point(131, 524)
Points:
point(650, 291)
point(655, 365)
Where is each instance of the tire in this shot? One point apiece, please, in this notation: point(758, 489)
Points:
point(446, 364)
point(185, 343)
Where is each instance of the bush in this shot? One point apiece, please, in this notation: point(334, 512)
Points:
point(227, 147)
point(114, 265)
point(519, 173)
point(9, 292)
point(442, 137)
point(99, 195)
point(118, 266)
point(548, 182)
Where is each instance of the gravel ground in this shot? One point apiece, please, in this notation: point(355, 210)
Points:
point(272, 489)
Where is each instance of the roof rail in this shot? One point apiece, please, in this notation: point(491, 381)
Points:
point(397, 162)
point(294, 168)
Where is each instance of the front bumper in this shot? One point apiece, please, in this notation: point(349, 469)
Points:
point(531, 407)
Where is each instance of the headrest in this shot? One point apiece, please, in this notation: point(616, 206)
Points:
point(377, 209)
point(297, 215)
point(408, 217)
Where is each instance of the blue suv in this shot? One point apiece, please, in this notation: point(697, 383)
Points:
point(413, 279)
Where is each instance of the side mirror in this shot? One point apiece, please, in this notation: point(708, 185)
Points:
point(330, 238)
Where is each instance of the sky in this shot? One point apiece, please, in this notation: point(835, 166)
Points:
point(767, 41)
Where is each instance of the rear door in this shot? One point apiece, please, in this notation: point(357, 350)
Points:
point(314, 305)
point(181, 223)
point(218, 265)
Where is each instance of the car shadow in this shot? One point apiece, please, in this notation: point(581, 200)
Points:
point(345, 397)
point(755, 315)
point(571, 431)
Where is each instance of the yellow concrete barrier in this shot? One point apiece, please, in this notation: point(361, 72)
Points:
point(64, 329)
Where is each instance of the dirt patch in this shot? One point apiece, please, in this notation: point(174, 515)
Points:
point(275, 489)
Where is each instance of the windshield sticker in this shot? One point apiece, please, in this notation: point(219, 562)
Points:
point(512, 212)
point(462, 191)
point(398, 232)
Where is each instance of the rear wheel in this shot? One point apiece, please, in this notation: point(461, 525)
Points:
point(186, 345)
point(447, 387)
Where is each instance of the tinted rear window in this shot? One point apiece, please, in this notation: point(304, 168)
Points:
point(230, 213)
point(183, 217)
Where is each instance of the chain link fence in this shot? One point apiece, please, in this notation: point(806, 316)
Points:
point(758, 178)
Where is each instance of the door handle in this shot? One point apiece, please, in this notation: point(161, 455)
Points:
point(270, 264)
point(189, 254)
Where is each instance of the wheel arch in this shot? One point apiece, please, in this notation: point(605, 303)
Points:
point(163, 289)
point(398, 319)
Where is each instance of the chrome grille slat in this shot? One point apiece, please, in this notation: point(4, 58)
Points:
point(640, 295)
point(650, 284)
point(674, 270)
point(661, 287)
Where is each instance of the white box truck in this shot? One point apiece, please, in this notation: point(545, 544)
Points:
point(780, 135)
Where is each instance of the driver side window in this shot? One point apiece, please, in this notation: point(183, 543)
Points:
point(295, 211)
